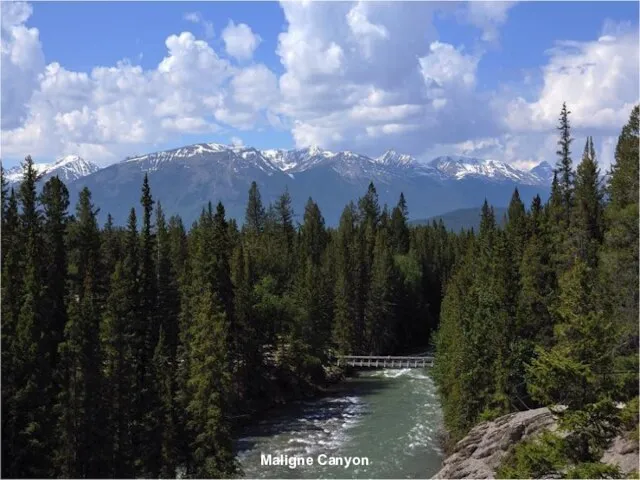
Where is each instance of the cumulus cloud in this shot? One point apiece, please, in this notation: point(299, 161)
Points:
point(22, 61)
point(370, 76)
point(240, 41)
point(362, 76)
point(110, 110)
point(598, 79)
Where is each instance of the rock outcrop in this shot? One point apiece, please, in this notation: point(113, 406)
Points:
point(623, 453)
point(479, 454)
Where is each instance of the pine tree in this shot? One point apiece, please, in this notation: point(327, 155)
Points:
point(344, 332)
point(208, 387)
point(223, 286)
point(148, 407)
point(11, 298)
point(369, 206)
point(165, 354)
point(379, 312)
point(455, 371)
point(168, 295)
point(588, 215)
point(313, 237)
point(577, 370)
point(399, 228)
point(517, 227)
point(55, 202)
point(117, 345)
point(619, 256)
point(33, 445)
point(255, 214)
point(80, 399)
point(245, 343)
point(564, 167)
point(111, 247)
point(163, 376)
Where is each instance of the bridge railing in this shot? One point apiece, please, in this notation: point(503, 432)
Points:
point(384, 361)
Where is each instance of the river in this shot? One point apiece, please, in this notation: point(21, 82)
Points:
point(388, 417)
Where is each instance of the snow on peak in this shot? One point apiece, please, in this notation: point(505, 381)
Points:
point(67, 168)
point(544, 171)
point(393, 158)
point(460, 167)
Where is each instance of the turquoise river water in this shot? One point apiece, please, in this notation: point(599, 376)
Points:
point(383, 424)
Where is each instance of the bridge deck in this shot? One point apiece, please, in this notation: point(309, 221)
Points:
point(373, 361)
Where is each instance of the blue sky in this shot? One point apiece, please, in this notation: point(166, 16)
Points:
point(111, 79)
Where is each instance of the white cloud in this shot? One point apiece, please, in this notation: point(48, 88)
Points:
point(488, 16)
point(197, 18)
point(240, 42)
point(111, 110)
point(237, 142)
point(363, 76)
point(598, 79)
point(255, 86)
point(447, 68)
point(22, 61)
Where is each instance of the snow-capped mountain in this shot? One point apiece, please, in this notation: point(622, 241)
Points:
point(68, 169)
point(232, 158)
point(544, 172)
point(394, 159)
point(184, 179)
point(457, 167)
point(347, 164)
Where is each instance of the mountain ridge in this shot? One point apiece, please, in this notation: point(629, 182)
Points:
point(68, 168)
point(184, 179)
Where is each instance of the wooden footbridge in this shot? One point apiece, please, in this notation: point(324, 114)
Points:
point(372, 361)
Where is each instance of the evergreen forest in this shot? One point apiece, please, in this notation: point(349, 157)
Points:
point(138, 351)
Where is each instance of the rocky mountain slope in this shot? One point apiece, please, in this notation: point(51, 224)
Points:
point(185, 179)
point(68, 169)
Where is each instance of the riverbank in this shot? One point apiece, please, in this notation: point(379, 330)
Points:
point(281, 388)
point(480, 453)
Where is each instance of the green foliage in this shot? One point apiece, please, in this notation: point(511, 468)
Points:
point(534, 458)
point(630, 419)
point(544, 311)
point(593, 470)
point(132, 353)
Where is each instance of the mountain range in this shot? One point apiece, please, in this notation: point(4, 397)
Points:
point(185, 179)
point(68, 169)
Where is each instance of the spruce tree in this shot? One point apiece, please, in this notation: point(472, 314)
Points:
point(379, 312)
point(587, 230)
point(564, 165)
point(399, 228)
point(255, 214)
point(55, 202)
point(619, 256)
point(516, 227)
point(208, 388)
point(80, 399)
point(33, 395)
point(11, 298)
point(117, 336)
point(344, 330)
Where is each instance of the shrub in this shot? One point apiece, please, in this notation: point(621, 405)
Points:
point(593, 470)
point(534, 457)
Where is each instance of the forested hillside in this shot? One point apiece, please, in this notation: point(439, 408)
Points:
point(545, 312)
point(134, 352)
